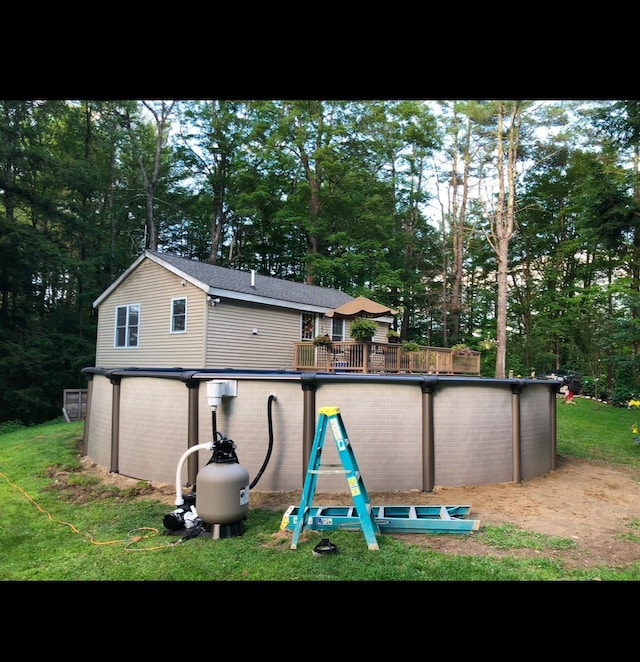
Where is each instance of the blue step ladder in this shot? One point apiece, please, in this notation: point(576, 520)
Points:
point(330, 417)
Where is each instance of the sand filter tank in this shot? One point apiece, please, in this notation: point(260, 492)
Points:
point(222, 490)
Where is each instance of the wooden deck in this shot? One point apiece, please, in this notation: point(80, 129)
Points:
point(375, 357)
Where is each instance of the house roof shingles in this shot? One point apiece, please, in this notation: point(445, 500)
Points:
point(240, 282)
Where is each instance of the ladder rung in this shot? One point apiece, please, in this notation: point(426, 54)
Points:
point(444, 513)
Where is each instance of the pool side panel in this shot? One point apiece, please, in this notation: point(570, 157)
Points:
point(472, 428)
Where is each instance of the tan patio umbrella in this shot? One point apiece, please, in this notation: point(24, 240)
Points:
point(361, 307)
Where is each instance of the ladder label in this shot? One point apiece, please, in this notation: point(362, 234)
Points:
point(337, 433)
point(323, 521)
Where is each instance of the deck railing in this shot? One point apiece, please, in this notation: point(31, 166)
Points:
point(368, 357)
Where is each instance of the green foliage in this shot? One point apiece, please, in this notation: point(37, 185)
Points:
point(10, 426)
point(333, 191)
point(596, 387)
point(488, 362)
point(362, 328)
point(626, 381)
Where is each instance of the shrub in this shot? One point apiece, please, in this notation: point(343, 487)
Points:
point(10, 426)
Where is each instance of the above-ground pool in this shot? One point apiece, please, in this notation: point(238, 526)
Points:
point(408, 431)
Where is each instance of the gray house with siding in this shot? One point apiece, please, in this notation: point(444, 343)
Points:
point(167, 311)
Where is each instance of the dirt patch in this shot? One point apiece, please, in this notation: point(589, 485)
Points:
point(594, 504)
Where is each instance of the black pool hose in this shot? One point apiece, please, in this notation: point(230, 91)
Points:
point(268, 456)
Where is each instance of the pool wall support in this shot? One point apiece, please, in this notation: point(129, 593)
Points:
point(308, 421)
point(554, 425)
point(192, 434)
point(115, 425)
point(428, 443)
point(516, 390)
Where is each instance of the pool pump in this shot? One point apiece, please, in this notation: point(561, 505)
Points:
point(218, 505)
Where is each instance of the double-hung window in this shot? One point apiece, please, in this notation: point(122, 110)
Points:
point(127, 325)
point(179, 315)
point(337, 330)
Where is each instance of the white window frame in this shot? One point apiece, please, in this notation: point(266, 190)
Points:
point(175, 316)
point(337, 329)
point(131, 330)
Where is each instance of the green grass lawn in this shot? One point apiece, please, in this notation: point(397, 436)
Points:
point(46, 536)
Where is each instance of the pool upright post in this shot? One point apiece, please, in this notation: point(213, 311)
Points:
point(193, 437)
point(553, 409)
point(114, 467)
point(309, 387)
point(516, 390)
point(428, 445)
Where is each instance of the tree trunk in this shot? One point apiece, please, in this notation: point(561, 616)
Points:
point(503, 220)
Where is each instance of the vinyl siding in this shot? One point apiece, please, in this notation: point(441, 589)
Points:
point(231, 342)
point(153, 287)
